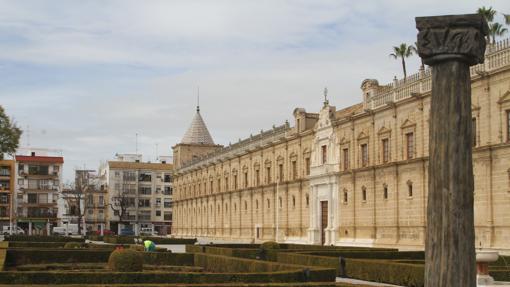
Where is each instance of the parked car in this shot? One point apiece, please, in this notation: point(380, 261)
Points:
point(127, 231)
point(16, 230)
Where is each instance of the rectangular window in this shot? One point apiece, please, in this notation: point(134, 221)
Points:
point(144, 215)
point(268, 175)
point(167, 178)
point(294, 170)
point(235, 181)
point(145, 177)
point(219, 185)
point(145, 190)
point(129, 176)
point(43, 198)
point(346, 158)
point(245, 179)
point(307, 165)
point(144, 203)
point(32, 198)
point(385, 150)
point(364, 155)
point(168, 190)
point(38, 170)
point(280, 172)
point(226, 183)
point(473, 130)
point(324, 152)
point(158, 212)
point(158, 202)
point(257, 177)
point(410, 145)
point(167, 203)
point(167, 216)
point(131, 201)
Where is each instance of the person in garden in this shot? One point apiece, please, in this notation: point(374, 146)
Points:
point(149, 245)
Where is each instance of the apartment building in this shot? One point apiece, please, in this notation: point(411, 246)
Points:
point(39, 182)
point(139, 194)
point(7, 181)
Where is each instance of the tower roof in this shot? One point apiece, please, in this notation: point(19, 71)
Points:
point(197, 132)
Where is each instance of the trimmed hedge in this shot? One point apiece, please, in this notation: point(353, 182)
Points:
point(168, 258)
point(293, 284)
point(95, 237)
point(42, 238)
point(125, 260)
point(3, 255)
point(411, 255)
point(28, 256)
point(217, 263)
point(74, 245)
point(30, 244)
point(385, 271)
point(124, 239)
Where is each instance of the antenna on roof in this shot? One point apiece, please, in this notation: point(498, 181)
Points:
point(198, 99)
point(28, 136)
point(136, 143)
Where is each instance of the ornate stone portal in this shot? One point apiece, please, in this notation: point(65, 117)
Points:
point(450, 44)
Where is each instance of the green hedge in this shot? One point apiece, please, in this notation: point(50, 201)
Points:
point(123, 239)
point(30, 244)
point(29, 256)
point(385, 271)
point(167, 258)
point(293, 284)
point(3, 256)
point(42, 238)
point(412, 255)
point(95, 237)
point(218, 263)
point(36, 277)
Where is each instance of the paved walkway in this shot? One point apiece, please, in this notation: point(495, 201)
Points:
point(361, 282)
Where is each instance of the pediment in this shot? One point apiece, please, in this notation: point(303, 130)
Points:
point(362, 135)
point(383, 130)
point(344, 140)
point(504, 98)
point(407, 123)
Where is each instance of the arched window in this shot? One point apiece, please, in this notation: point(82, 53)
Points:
point(293, 201)
point(307, 200)
point(257, 204)
point(268, 204)
point(245, 205)
point(346, 196)
point(385, 191)
point(410, 188)
point(364, 193)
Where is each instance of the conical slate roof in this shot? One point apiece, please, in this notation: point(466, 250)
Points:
point(197, 132)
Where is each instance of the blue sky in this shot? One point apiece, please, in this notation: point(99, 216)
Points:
point(86, 76)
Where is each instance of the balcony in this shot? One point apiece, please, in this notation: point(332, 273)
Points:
point(38, 213)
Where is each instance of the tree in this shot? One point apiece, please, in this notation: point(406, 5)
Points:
point(496, 29)
point(487, 13)
point(76, 194)
point(120, 204)
point(507, 18)
point(403, 51)
point(9, 134)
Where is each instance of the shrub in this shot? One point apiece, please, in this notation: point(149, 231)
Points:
point(125, 260)
point(41, 256)
point(42, 238)
point(74, 245)
point(269, 245)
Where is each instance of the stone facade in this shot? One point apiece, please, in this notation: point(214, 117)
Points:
point(365, 167)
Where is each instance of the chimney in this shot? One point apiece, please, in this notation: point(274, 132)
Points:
point(33, 153)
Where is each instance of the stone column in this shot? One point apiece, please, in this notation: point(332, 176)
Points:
point(450, 44)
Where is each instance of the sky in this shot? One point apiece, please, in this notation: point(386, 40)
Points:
point(85, 77)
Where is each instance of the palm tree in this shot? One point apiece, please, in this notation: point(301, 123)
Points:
point(496, 29)
point(403, 51)
point(487, 13)
point(507, 18)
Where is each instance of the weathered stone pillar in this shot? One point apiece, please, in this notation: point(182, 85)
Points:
point(450, 44)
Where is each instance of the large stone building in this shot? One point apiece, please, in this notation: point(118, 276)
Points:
point(139, 194)
point(354, 176)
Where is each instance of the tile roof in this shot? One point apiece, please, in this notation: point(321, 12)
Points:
point(40, 159)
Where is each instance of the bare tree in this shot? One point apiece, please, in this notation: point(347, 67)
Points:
point(76, 194)
point(120, 204)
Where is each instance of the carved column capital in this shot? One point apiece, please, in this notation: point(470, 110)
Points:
point(452, 37)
